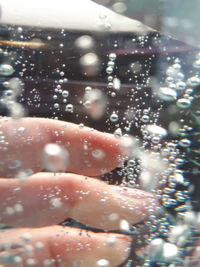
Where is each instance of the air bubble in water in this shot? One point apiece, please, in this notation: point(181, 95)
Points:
point(6, 70)
point(116, 83)
point(118, 132)
point(16, 110)
point(69, 108)
point(131, 163)
point(136, 67)
point(180, 85)
point(145, 118)
point(56, 105)
point(90, 64)
point(114, 117)
point(167, 94)
point(179, 234)
point(55, 203)
point(112, 56)
point(103, 263)
point(124, 225)
point(193, 81)
point(95, 102)
point(65, 93)
point(159, 250)
point(8, 94)
point(172, 72)
point(111, 64)
point(109, 70)
point(156, 130)
point(98, 154)
point(88, 89)
point(130, 146)
point(84, 42)
point(89, 60)
point(196, 64)
point(147, 181)
point(183, 103)
point(119, 7)
point(55, 158)
point(15, 84)
point(14, 164)
point(185, 142)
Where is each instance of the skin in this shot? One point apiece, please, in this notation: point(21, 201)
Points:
point(77, 192)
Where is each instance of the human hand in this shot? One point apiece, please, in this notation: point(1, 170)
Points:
point(35, 204)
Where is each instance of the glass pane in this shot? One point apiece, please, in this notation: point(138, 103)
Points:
point(128, 68)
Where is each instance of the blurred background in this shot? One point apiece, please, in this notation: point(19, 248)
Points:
point(179, 19)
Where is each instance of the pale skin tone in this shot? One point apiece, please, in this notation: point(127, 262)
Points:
point(77, 191)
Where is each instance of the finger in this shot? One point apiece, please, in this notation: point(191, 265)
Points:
point(48, 199)
point(90, 152)
point(62, 246)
